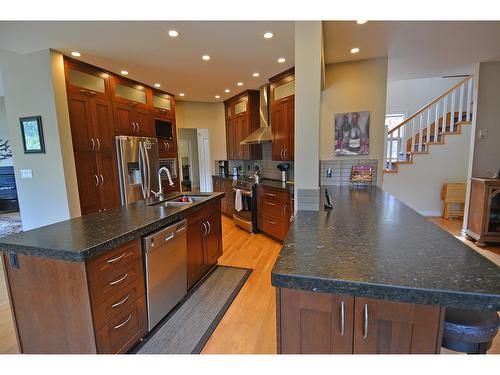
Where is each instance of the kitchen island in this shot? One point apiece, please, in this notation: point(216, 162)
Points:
point(78, 286)
point(373, 276)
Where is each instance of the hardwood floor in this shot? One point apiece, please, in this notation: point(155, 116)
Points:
point(249, 326)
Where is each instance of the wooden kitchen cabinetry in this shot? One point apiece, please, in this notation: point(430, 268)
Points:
point(274, 212)
point(98, 306)
point(282, 115)
point(224, 185)
point(204, 241)
point(314, 323)
point(483, 223)
point(242, 119)
point(91, 122)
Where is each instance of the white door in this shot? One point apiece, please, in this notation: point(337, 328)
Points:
point(204, 160)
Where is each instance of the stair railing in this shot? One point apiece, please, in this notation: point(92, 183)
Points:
point(408, 137)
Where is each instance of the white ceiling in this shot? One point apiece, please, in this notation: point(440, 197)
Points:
point(415, 49)
point(144, 49)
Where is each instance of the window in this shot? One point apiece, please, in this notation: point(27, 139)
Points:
point(391, 121)
point(394, 119)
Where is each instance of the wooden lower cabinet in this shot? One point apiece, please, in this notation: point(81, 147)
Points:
point(225, 186)
point(483, 223)
point(274, 211)
point(322, 323)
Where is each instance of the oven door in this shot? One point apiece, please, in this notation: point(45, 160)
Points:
point(244, 218)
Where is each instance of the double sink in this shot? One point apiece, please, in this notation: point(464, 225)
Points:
point(180, 201)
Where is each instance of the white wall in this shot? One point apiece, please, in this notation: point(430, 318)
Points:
point(419, 185)
point(197, 115)
point(4, 130)
point(486, 159)
point(32, 85)
point(408, 96)
point(355, 86)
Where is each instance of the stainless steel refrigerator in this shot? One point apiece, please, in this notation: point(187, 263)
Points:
point(137, 167)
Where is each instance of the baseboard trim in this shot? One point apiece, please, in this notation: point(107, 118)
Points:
point(429, 213)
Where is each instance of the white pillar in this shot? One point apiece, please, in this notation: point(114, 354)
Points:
point(308, 60)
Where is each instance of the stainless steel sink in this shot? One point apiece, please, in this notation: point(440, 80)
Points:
point(177, 201)
point(190, 198)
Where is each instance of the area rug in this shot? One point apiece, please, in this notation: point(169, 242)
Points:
point(188, 327)
point(10, 225)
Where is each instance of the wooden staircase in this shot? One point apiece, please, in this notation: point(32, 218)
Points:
point(429, 126)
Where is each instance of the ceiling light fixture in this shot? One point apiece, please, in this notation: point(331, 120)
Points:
point(217, 96)
point(227, 90)
point(281, 60)
point(173, 33)
point(256, 74)
point(361, 22)
point(181, 94)
point(355, 50)
point(205, 57)
point(240, 83)
point(124, 72)
point(157, 85)
point(268, 35)
point(76, 54)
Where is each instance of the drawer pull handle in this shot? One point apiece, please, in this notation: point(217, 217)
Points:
point(117, 259)
point(365, 316)
point(342, 318)
point(121, 302)
point(270, 221)
point(269, 203)
point(118, 281)
point(123, 323)
point(270, 194)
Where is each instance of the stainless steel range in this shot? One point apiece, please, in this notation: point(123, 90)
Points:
point(245, 213)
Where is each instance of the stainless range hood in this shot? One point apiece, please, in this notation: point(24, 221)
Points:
point(262, 134)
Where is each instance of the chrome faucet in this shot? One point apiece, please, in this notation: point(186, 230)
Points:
point(170, 182)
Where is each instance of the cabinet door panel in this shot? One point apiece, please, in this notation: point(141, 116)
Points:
point(88, 181)
point(289, 130)
point(315, 323)
point(80, 117)
point(278, 118)
point(104, 127)
point(388, 327)
point(145, 120)
point(213, 241)
point(195, 259)
point(123, 114)
point(109, 189)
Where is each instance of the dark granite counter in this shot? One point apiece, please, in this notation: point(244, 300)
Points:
point(372, 245)
point(83, 237)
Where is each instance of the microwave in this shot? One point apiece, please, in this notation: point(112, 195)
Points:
point(171, 165)
point(164, 129)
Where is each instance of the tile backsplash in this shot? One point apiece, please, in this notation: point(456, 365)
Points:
point(341, 170)
point(267, 165)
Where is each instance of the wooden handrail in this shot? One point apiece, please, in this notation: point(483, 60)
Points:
point(427, 106)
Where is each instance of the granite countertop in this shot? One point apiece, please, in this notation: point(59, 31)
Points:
point(372, 245)
point(86, 236)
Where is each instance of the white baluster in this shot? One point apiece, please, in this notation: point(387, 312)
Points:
point(461, 104)
point(399, 144)
point(412, 143)
point(445, 105)
point(420, 133)
point(386, 136)
point(390, 151)
point(404, 137)
point(469, 99)
point(436, 122)
point(452, 112)
point(428, 135)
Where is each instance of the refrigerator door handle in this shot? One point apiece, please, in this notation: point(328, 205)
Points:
point(141, 170)
point(148, 172)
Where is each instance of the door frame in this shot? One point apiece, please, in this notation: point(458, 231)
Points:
point(204, 160)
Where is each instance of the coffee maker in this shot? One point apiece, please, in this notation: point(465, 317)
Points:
point(223, 168)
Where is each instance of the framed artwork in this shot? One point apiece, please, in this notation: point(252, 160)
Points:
point(352, 133)
point(31, 129)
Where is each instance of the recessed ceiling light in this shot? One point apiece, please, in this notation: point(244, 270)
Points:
point(173, 33)
point(124, 72)
point(256, 74)
point(355, 50)
point(240, 83)
point(227, 90)
point(217, 96)
point(157, 85)
point(360, 22)
point(268, 35)
point(281, 60)
point(76, 54)
point(181, 94)
point(205, 57)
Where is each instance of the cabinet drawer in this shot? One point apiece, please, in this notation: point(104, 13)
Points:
point(111, 282)
point(118, 302)
point(274, 227)
point(124, 330)
point(100, 266)
point(274, 208)
point(273, 194)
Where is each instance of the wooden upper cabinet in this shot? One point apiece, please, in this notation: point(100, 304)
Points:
point(130, 92)
point(85, 79)
point(242, 118)
point(104, 125)
point(80, 118)
point(163, 103)
point(282, 115)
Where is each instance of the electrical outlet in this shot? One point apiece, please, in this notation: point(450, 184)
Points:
point(483, 134)
point(26, 173)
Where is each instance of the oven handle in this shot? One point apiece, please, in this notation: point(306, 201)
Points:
point(244, 192)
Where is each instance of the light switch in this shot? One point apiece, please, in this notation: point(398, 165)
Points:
point(483, 134)
point(26, 173)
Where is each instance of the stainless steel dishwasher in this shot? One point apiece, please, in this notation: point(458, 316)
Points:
point(165, 253)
